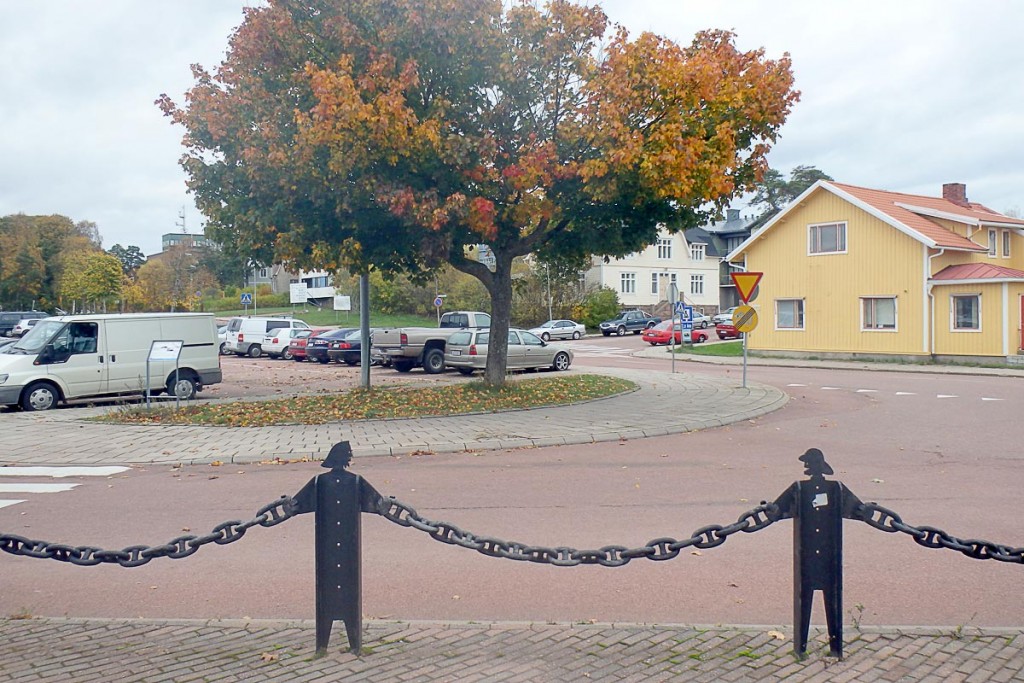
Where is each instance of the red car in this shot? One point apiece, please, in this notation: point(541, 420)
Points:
point(660, 334)
point(727, 331)
point(297, 346)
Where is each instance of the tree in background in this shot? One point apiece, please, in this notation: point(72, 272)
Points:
point(397, 133)
point(130, 257)
point(92, 280)
point(773, 192)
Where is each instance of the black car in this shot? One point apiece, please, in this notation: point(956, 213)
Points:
point(317, 347)
point(347, 350)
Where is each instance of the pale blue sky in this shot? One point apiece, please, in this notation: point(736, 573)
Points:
point(901, 96)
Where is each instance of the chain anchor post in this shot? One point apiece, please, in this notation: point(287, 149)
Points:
point(817, 507)
point(337, 498)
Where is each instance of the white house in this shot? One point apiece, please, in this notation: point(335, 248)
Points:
point(643, 278)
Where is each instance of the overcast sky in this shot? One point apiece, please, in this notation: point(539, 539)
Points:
point(900, 95)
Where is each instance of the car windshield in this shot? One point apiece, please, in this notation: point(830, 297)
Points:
point(663, 326)
point(37, 337)
point(354, 336)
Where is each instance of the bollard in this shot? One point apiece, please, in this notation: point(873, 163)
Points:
point(338, 497)
point(817, 507)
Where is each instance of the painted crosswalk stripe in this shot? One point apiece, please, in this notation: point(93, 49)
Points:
point(5, 503)
point(35, 488)
point(60, 472)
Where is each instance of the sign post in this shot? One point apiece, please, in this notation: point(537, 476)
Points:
point(673, 296)
point(246, 301)
point(744, 318)
point(164, 350)
point(438, 302)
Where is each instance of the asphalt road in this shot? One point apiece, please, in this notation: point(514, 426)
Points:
point(940, 450)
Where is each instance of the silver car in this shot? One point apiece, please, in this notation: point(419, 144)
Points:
point(560, 329)
point(466, 351)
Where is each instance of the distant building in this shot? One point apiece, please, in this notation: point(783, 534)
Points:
point(175, 239)
point(725, 236)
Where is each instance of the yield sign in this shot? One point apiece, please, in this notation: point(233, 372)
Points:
point(745, 283)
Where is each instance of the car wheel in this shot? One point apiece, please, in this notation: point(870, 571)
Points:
point(433, 362)
point(183, 388)
point(545, 336)
point(621, 331)
point(404, 365)
point(576, 334)
point(223, 349)
point(40, 396)
point(466, 371)
point(286, 354)
point(607, 334)
point(255, 351)
point(562, 361)
point(703, 324)
point(653, 343)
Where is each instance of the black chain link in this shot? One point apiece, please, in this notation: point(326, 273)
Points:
point(666, 548)
point(930, 537)
point(269, 515)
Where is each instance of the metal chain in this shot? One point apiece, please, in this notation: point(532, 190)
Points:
point(665, 548)
point(930, 537)
point(269, 515)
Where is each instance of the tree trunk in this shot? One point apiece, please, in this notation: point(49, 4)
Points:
point(500, 290)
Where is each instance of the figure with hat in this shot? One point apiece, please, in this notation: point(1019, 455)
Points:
point(817, 507)
point(338, 497)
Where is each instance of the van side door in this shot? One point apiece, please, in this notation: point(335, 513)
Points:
point(73, 357)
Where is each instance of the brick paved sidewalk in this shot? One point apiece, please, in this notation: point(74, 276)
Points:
point(154, 651)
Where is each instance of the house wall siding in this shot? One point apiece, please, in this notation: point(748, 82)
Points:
point(880, 262)
point(989, 340)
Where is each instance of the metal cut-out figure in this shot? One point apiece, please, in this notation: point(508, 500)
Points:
point(817, 507)
point(338, 497)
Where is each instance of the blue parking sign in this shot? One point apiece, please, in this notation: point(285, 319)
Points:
point(246, 298)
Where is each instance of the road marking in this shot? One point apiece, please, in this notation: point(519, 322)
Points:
point(984, 398)
point(35, 488)
point(946, 396)
point(830, 388)
point(60, 472)
point(867, 391)
point(905, 393)
point(796, 385)
point(5, 503)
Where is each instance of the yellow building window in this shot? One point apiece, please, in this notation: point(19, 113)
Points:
point(826, 238)
point(789, 314)
point(878, 313)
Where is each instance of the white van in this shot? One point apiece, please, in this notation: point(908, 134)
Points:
point(246, 336)
point(83, 356)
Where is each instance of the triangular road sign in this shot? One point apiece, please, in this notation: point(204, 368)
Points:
point(745, 283)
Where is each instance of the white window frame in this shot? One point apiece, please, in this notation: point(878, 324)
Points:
point(665, 248)
point(867, 302)
point(627, 283)
point(696, 284)
point(697, 252)
point(655, 283)
point(798, 324)
point(992, 242)
point(952, 312)
point(814, 238)
point(1006, 243)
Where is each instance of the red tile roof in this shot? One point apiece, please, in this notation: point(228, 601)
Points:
point(978, 271)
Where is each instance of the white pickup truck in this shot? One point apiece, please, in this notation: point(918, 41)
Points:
point(405, 348)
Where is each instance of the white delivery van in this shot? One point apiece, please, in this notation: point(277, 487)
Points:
point(84, 356)
point(246, 336)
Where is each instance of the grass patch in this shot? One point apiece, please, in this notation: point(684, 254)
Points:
point(730, 349)
point(382, 403)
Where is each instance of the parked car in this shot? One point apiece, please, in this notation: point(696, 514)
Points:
point(695, 336)
point(629, 321)
point(8, 319)
point(560, 329)
point(246, 336)
point(298, 343)
point(278, 341)
point(24, 326)
point(662, 334)
point(222, 336)
point(727, 331)
point(318, 345)
point(466, 351)
point(725, 316)
point(700, 320)
point(348, 350)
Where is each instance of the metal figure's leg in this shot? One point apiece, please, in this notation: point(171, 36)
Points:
point(802, 621)
point(834, 619)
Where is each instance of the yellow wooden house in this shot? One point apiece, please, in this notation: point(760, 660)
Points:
point(853, 272)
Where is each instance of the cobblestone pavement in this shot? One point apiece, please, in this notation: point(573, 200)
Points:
point(151, 651)
point(664, 404)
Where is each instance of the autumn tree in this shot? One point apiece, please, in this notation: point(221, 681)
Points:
point(93, 278)
point(393, 134)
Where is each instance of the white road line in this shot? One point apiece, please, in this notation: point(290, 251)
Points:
point(5, 503)
point(59, 472)
point(796, 385)
point(867, 391)
point(985, 398)
point(830, 388)
point(946, 396)
point(905, 393)
point(35, 488)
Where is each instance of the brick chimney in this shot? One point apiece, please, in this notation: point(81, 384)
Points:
point(956, 193)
